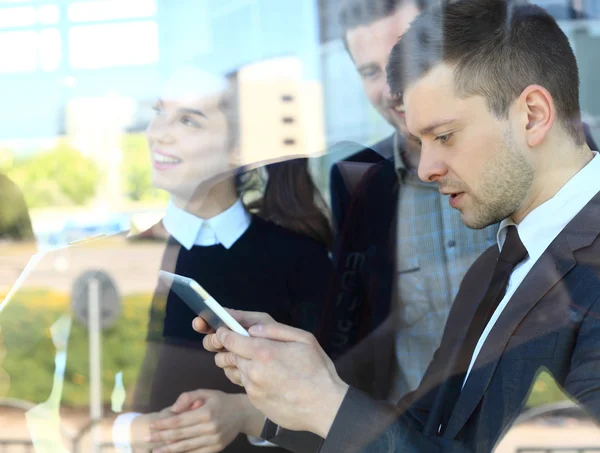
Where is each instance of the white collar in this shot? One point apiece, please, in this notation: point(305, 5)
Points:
point(224, 228)
point(541, 226)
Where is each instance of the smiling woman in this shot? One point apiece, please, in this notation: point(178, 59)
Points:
point(270, 254)
point(188, 136)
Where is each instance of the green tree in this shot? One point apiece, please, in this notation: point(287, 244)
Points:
point(138, 170)
point(60, 176)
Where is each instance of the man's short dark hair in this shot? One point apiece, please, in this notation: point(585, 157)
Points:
point(357, 13)
point(497, 48)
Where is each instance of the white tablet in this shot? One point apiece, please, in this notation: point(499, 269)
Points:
point(201, 303)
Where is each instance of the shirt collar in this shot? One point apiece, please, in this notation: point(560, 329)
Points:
point(224, 228)
point(541, 226)
point(398, 161)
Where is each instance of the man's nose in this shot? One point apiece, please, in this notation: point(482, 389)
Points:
point(386, 95)
point(431, 165)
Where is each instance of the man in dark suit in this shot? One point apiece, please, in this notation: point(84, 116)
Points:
point(413, 267)
point(505, 142)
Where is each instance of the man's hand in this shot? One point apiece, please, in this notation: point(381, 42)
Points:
point(207, 421)
point(245, 318)
point(286, 374)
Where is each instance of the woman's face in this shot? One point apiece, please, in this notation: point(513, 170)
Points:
point(188, 136)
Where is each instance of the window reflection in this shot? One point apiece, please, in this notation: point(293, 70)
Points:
point(18, 51)
point(79, 79)
point(104, 10)
point(110, 45)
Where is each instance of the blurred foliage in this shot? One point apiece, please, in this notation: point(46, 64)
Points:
point(62, 176)
point(137, 170)
point(57, 177)
point(545, 390)
point(27, 370)
point(15, 222)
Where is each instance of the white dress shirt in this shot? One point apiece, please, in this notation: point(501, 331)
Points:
point(224, 228)
point(540, 228)
point(189, 230)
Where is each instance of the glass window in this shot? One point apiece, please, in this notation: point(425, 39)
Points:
point(112, 107)
point(50, 49)
point(105, 45)
point(17, 17)
point(18, 51)
point(48, 14)
point(101, 10)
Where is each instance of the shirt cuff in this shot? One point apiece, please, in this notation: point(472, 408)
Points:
point(121, 432)
point(258, 442)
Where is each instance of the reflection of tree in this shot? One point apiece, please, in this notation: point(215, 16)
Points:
point(15, 223)
point(30, 353)
point(60, 176)
point(138, 172)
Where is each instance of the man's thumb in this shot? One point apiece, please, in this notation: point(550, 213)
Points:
point(279, 332)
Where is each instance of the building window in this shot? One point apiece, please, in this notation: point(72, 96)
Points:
point(18, 51)
point(50, 50)
point(24, 16)
point(113, 44)
point(99, 34)
point(109, 10)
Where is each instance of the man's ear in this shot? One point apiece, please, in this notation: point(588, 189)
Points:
point(537, 106)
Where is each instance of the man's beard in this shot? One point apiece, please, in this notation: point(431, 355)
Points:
point(506, 181)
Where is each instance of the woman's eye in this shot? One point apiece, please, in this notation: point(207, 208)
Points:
point(186, 120)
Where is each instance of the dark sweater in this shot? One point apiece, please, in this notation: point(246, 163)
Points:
point(268, 269)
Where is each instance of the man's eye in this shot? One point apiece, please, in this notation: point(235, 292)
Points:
point(444, 138)
point(369, 74)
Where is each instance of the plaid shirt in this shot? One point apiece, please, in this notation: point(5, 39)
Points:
point(434, 251)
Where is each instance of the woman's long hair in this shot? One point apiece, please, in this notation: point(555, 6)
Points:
point(287, 196)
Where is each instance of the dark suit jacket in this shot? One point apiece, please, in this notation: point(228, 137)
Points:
point(551, 323)
point(364, 256)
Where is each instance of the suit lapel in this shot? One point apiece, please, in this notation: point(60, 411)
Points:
point(470, 295)
point(547, 272)
point(552, 266)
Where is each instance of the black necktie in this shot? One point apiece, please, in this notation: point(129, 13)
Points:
point(513, 252)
